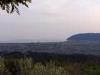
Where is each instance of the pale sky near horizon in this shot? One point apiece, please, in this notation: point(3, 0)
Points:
point(50, 20)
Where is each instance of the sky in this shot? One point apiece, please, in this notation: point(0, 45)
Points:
point(50, 21)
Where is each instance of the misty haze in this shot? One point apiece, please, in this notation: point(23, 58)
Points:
point(50, 20)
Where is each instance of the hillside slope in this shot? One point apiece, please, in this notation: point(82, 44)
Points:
point(85, 37)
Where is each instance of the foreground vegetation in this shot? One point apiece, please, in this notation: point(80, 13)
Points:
point(27, 66)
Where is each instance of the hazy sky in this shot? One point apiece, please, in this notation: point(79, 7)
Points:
point(50, 20)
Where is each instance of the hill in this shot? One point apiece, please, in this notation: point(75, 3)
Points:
point(85, 37)
point(88, 44)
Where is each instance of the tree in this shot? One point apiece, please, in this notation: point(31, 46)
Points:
point(12, 5)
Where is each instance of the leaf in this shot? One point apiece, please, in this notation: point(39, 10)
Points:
point(12, 5)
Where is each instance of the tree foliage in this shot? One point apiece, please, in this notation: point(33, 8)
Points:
point(12, 5)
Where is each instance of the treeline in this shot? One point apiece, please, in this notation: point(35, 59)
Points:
point(45, 57)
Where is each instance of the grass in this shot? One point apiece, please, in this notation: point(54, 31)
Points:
point(27, 66)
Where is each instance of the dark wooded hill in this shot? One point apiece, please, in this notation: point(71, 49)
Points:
point(85, 37)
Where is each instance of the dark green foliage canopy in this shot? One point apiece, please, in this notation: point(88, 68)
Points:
point(12, 5)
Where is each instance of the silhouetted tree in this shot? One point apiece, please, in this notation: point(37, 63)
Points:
point(12, 5)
